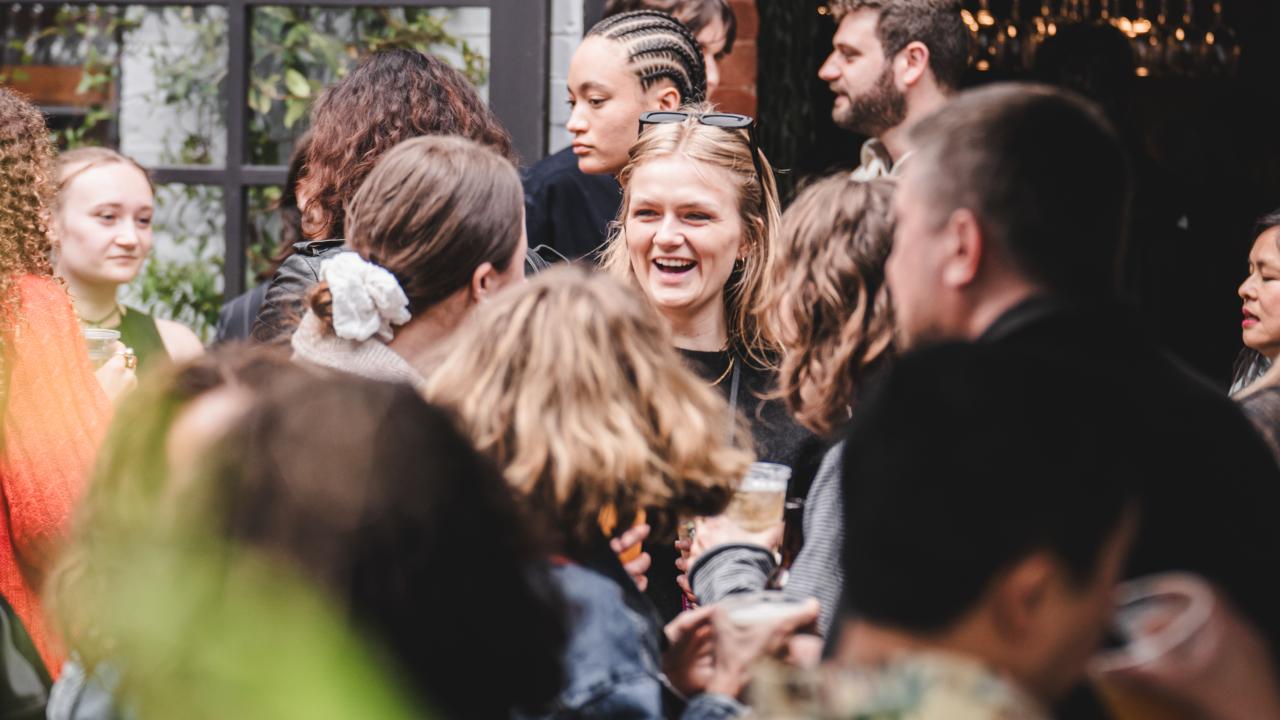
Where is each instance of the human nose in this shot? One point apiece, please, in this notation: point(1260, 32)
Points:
point(1248, 289)
point(128, 236)
point(577, 123)
point(669, 235)
point(829, 72)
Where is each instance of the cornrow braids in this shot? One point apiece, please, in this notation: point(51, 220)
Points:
point(659, 47)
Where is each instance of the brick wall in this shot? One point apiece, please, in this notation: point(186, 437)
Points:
point(737, 91)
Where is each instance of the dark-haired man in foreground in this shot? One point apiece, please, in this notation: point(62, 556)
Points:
point(1010, 222)
point(986, 528)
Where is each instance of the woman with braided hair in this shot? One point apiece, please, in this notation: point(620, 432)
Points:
point(53, 412)
point(628, 64)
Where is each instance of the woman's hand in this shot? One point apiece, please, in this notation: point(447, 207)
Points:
point(630, 542)
point(739, 646)
point(683, 563)
point(689, 661)
point(117, 376)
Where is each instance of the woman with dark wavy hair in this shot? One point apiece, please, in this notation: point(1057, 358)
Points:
point(52, 411)
point(828, 301)
point(392, 96)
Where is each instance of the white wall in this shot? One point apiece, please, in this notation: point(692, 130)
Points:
point(566, 33)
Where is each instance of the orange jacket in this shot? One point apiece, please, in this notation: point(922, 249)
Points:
point(55, 418)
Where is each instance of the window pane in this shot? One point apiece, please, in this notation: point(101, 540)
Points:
point(144, 79)
point(297, 51)
point(271, 227)
point(183, 279)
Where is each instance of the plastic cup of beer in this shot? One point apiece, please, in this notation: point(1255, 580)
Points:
point(101, 343)
point(1160, 619)
point(764, 607)
point(760, 499)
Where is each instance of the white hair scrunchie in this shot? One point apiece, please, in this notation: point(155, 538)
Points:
point(367, 299)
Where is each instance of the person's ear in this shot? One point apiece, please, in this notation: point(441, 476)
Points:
point(966, 248)
point(1021, 595)
point(911, 64)
point(484, 281)
point(668, 98)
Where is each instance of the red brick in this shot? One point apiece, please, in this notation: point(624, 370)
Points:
point(748, 19)
point(736, 100)
point(739, 68)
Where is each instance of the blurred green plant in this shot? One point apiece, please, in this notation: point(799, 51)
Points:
point(296, 52)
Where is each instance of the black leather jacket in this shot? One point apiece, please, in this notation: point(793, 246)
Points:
point(282, 309)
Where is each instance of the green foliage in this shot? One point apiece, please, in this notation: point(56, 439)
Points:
point(296, 52)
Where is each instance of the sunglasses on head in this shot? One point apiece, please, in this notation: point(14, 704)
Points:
point(727, 121)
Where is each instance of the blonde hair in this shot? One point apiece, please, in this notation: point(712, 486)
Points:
point(828, 297)
point(74, 163)
point(750, 334)
point(571, 384)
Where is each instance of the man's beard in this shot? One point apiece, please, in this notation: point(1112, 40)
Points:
point(876, 111)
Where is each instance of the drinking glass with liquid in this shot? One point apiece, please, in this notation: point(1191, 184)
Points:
point(101, 343)
point(760, 500)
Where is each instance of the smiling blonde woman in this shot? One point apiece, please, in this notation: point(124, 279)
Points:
point(694, 234)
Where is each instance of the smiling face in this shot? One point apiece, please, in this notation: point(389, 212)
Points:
point(606, 101)
point(1260, 292)
point(867, 99)
point(684, 231)
point(103, 225)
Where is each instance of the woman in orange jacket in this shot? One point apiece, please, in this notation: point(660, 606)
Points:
point(53, 411)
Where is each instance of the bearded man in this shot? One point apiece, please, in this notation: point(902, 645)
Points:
point(892, 63)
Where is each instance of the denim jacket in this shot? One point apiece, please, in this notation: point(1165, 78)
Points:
point(613, 657)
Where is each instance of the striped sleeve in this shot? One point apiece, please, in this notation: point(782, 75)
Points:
point(819, 568)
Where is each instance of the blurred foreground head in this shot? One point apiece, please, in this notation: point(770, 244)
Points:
point(989, 511)
point(571, 384)
point(328, 527)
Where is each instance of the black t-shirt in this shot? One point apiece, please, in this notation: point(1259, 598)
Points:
point(566, 209)
point(778, 439)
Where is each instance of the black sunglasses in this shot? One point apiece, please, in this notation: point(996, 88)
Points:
point(728, 121)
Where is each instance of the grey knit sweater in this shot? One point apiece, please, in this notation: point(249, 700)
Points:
point(373, 359)
point(817, 571)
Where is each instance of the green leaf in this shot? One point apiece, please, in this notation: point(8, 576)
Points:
point(294, 110)
point(297, 85)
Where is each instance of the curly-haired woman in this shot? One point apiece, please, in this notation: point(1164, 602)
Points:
point(392, 96)
point(828, 301)
point(53, 412)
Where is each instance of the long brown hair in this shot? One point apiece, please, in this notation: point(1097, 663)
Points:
point(828, 297)
point(749, 332)
point(432, 211)
point(392, 96)
point(26, 194)
point(572, 385)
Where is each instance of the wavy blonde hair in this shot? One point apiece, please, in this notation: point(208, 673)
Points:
point(828, 297)
point(571, 384)
point(26, 194)
point(749, 331)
